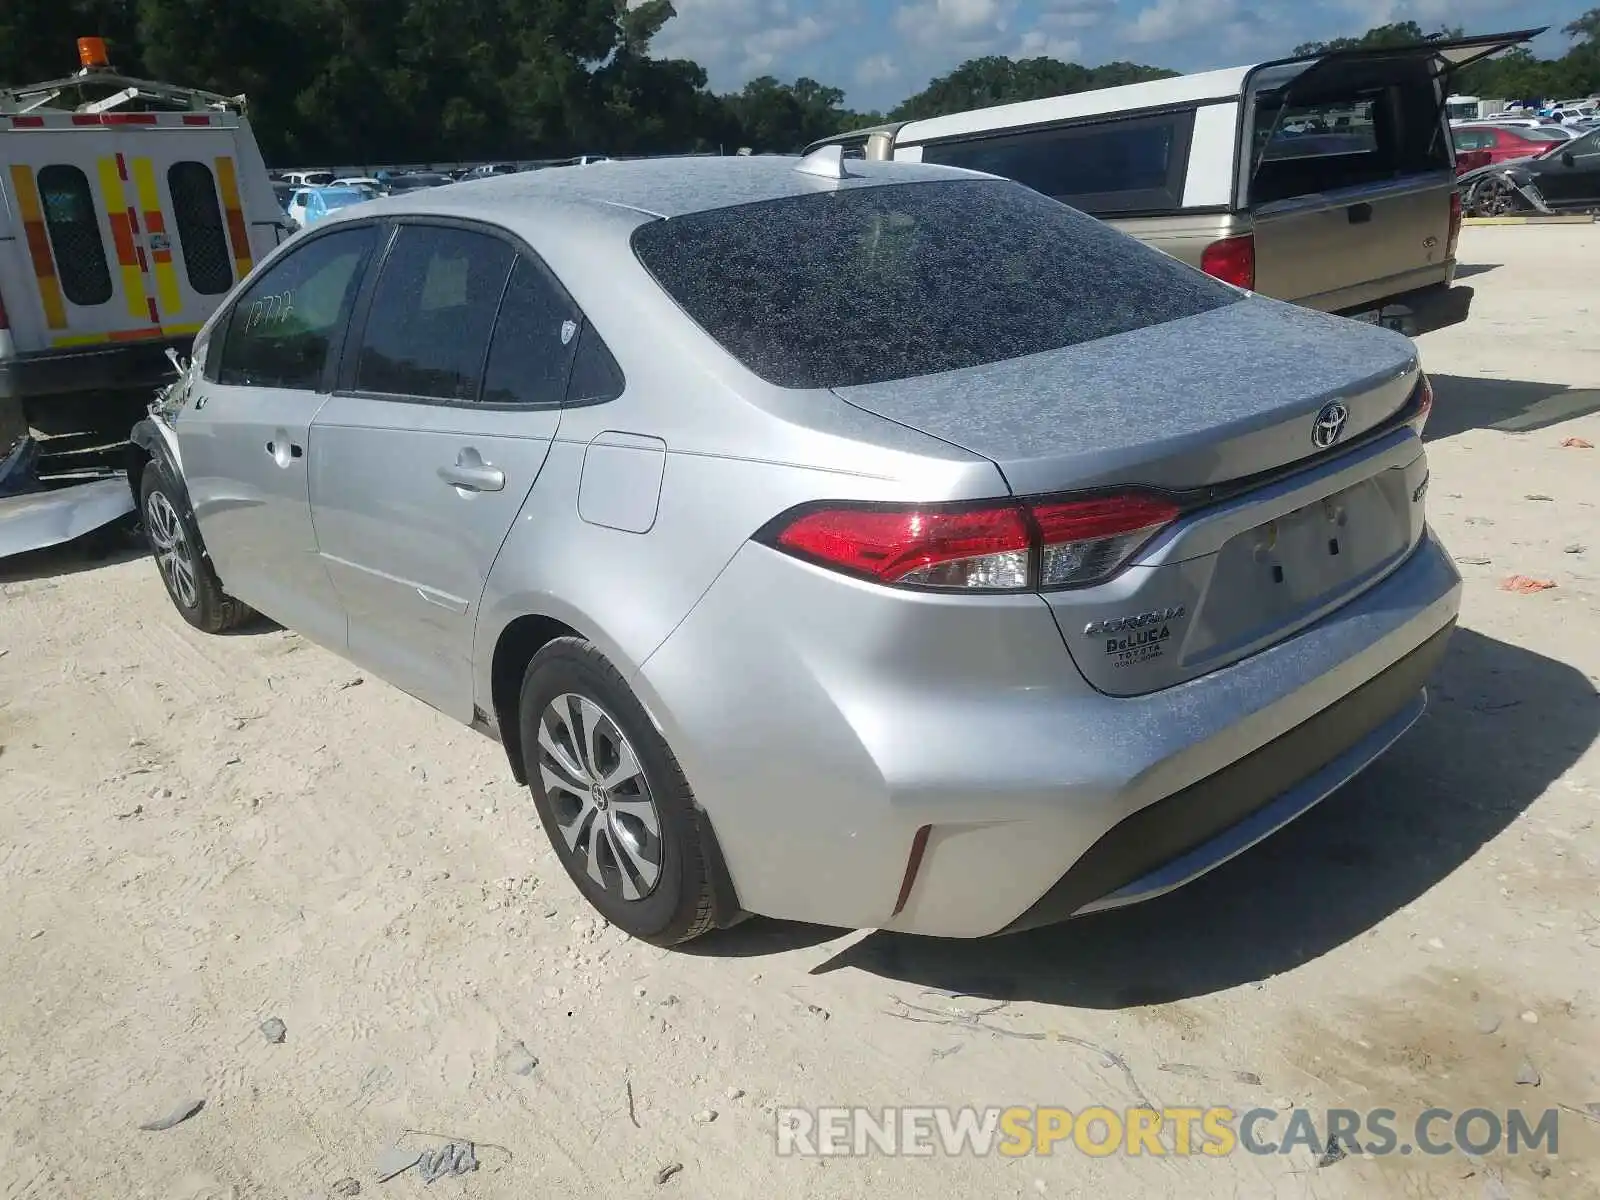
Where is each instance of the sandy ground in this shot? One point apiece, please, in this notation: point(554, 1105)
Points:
point(199, 834)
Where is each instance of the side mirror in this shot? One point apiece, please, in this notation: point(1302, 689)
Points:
point(1567, 159)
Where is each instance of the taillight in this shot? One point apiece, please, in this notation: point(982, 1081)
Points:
point(984, 548)
point(1419, 421)
point(1085, 541)
point(1455, 225)
point(1009, 546)
point(1232, 260)
point(5, 321)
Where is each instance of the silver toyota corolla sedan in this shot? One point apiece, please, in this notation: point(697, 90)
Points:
point(872, 544)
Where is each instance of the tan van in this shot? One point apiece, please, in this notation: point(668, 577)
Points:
point(128, 209)
point(1326, 180)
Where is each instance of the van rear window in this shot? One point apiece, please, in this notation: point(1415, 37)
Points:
point(866, 284)
point(1105, 167)
point(74, 227)
point(1352, 132)
point(201, 232)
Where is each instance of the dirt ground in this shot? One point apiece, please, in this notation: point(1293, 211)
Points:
point(200, 834)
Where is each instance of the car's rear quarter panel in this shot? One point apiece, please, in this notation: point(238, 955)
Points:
point(737, 453)
point(823, 721)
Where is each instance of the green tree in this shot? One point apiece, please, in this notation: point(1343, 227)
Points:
point(984, 82)
point(38, 38)
point(774, 116)
point(1399, 33)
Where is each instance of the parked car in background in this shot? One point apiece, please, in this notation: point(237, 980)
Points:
point(489, 170)
point(324, 202)
point(1479, 145)
point(364, 182)
point(309, 178)
point(1004, 569)
point(1326, 180)
point(1520, 122)
point(1562, 178)
point(411, 181)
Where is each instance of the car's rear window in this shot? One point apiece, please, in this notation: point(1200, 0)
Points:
point(862, 285)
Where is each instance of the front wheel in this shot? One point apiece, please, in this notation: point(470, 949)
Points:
point(174, 539)
point(611, 796)
point(1494, 196)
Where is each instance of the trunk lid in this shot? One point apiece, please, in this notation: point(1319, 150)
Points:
point(1196, 406)
point(1196, 402)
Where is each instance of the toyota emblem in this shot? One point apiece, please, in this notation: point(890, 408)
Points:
point(1329, 425)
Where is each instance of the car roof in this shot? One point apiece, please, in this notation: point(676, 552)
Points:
point(662, 187)
point(1225, 84)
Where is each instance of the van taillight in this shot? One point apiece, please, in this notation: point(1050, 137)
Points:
point(1455, 225)
point(1232, 260)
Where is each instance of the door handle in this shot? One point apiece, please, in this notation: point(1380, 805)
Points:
point(284, 452)
point(471, 474)
point(1359, 214)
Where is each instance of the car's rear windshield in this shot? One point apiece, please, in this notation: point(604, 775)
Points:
point(865, 284)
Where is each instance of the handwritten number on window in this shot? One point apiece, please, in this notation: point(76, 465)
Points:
point(269, 312)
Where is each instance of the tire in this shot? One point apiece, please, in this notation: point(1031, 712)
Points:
point(1494, 196)
point(174, 540)
point(13, 425)
point(651, 884)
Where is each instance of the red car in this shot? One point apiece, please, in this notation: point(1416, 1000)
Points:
point(1480, 145)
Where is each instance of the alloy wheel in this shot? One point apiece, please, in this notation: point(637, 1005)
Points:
point(601, 799)
point(1496, 197)
point(173, 554)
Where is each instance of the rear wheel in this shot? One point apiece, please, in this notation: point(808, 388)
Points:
point(174, 539)
point(612, 797)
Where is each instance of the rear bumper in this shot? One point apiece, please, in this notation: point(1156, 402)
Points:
point(1178, 839)
point(100, 368)
point(823, 724)
point(1421, 311)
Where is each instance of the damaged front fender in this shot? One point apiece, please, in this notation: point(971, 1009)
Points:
point(1495, 192)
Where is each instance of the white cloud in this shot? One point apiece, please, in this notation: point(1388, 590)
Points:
point(876, 70)
point(1037, 43)
point(955, 29)
point(1430, 14)
point(1058, 27)
point(1176, 20)
point(736, 40)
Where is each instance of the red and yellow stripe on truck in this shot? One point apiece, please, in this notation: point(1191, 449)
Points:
point(44, 262)
point(124, 225)
point(238, 234)
point(155, 224)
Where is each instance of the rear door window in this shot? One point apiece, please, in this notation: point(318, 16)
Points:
point(433, 310)
point(74, 228)
point(866, 284)
point(1125, 166)
point(202, 235)
point(535, 338)
point(280, 332)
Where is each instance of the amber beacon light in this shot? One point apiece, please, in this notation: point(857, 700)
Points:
point(92, 52)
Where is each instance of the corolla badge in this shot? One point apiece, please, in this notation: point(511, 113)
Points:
point(1328, 428)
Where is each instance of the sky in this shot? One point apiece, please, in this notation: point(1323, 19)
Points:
point(881, 51)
